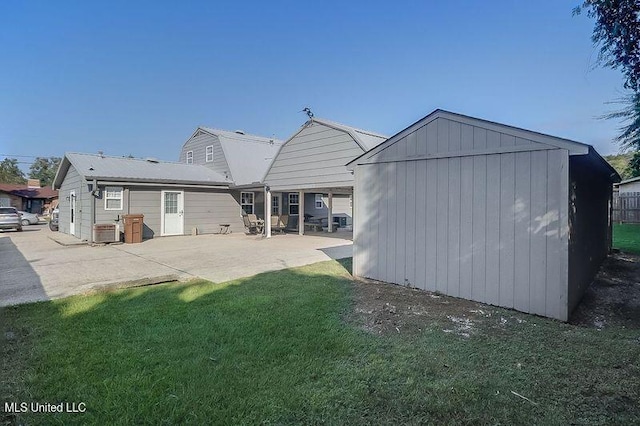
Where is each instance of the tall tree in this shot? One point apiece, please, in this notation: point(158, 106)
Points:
point(617, 34)
point(633, 168)
point(44, 169)
point(10, 172)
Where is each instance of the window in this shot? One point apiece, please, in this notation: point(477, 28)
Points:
point(294, 203)
point(189, 157)
point(319, 203)
point(246, 201)
point(275, 204)
point(209, 154)
point(113, 198)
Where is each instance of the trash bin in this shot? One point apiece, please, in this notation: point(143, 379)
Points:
point(133, 226)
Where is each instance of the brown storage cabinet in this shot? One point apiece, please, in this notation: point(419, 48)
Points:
point(133, 226)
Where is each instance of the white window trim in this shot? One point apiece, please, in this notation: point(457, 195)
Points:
point(252, 203)
point(279, 206)
point(294, 204)
point(319, 200)
point(108, 189)
point(208, 156)
point(189, 157)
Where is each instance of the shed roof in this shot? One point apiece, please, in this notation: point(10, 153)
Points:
point(248, 156)
point(94, 166)
point(624, 182)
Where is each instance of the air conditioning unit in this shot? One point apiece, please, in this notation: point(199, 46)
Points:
point(106, 233)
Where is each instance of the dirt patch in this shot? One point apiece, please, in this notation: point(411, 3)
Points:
point(383, 308)
point(612, 300)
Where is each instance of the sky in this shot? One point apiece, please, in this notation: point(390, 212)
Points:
point(138, 77)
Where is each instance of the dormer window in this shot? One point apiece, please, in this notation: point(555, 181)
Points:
point(209, 154)
point(189, 157)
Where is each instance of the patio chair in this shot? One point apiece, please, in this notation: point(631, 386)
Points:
point(283, 222)
point(251, 227)
point(255, 222)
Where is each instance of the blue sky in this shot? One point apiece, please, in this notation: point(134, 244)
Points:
point(138, 77)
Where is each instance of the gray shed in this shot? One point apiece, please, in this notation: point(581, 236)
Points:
point(483, 211)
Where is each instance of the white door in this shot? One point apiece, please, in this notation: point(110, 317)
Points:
point(172, 213)
point(72, 212)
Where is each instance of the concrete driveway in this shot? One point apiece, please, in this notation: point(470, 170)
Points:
point(34, 267)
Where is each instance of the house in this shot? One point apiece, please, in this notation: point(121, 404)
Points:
point(217, 179)
point(308, 176)
point(240, 157)
point(174, 197)
point(30, 197)
point(483, 211)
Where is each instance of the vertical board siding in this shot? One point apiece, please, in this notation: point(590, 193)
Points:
point(537, 240)
point(522, 218)
point(442, 225)
point(507, 229)
point(491, 228)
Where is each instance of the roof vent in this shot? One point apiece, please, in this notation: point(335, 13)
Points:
point(240, 132)
point(152, 160)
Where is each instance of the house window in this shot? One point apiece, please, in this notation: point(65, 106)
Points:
point(319, 203)
point(113, 198)
point(294, 203)
point(209, 154)
point(189, 157)
point(246, 201)
point(275, 205)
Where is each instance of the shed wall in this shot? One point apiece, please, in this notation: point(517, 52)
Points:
point(490, 228)
point(314, 158)
point(590, 195)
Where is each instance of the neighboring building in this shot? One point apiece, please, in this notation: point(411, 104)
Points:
point(629, 186)
point(30, 197)
point(483, 211)
point(175, 198)
point(308, 174)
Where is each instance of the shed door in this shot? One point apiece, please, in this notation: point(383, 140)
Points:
point(172, 213)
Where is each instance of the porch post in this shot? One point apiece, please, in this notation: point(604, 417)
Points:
point(330, 212)
point(301, 212)
point(267, 212)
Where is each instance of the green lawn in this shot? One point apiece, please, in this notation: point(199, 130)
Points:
point(277, 349)
point(626, 237)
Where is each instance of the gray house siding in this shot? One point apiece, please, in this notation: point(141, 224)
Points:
point(314, 158)
point(341, 205)
point(203, 209)
point(487, 227)
point(198, 145)
point(74, 182)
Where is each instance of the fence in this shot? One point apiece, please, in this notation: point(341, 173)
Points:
point(626, 207)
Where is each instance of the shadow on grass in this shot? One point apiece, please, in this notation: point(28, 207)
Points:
point(274, 348)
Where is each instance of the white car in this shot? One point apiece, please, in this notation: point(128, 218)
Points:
point(27, 218)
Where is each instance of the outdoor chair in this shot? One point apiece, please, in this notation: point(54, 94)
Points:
point(247, 224)
point(258, 224)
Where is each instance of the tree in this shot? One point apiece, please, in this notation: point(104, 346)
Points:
point(617, 33)
point(633, 168)
point(10, 172)
point(44, 169)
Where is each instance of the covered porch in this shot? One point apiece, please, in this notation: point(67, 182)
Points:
point(310, 210)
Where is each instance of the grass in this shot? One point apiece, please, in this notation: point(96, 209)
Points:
point(279, 348)
point(626, 237)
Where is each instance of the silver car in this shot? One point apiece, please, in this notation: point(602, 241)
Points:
point(28, 218)
point(10, 218)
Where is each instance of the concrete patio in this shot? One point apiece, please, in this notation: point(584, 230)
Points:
point(34, 267)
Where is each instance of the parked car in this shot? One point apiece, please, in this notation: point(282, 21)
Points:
point(10, 218)
point(28, 218)
point(53, 222)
